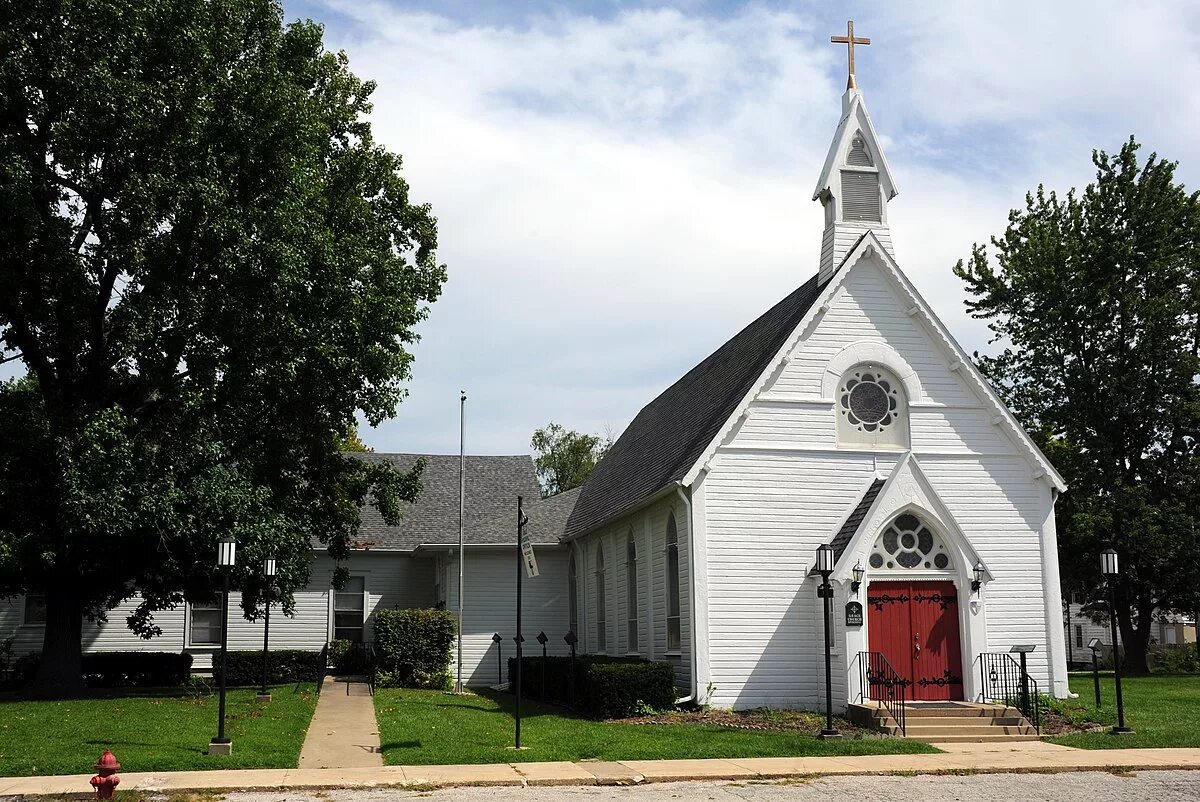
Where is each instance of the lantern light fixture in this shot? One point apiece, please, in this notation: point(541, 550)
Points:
point(859, 572)
point(1109, 566)
point(825, 559)
point(226, 552)
point(269, 567)
point(980, 574)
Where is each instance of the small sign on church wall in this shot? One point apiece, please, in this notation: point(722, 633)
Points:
point(854, 614)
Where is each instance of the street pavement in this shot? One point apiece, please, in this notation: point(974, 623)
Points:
point(1077, 786)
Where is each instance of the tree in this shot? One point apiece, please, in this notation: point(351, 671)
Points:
point(565, 458)
point(1096, 298)
point(208, 268)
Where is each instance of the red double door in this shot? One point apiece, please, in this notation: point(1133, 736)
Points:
point(915, 626)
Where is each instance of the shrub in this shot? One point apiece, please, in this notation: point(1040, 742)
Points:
point(348, 657)
point(1179, 660)
point(136, 669)
point(284, 666)
point(605, 687)
point(413, 647)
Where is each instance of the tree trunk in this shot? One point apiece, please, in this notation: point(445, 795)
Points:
point(1135, 641)
point(60, 673)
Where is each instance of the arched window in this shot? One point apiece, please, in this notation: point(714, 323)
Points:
point(631, 593)
point(573, 595)
point(871, 408)
point(909, 543)
point(673, 632)
point(601, 602)
point(859, 156)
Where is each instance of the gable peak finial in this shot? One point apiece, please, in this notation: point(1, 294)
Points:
point(850, 40)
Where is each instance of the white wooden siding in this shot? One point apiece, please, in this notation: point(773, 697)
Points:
point(780, 486)
point(489, 607)
point(392, 580)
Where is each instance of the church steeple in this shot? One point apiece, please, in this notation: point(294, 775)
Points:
point(856, 183)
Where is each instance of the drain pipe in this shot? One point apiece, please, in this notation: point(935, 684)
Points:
point(687, 503)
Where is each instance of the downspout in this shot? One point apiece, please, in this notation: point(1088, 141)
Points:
point(687, 502)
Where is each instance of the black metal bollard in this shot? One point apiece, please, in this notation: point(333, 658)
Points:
point(496, 639)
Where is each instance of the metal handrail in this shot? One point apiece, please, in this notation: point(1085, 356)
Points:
point(1003, 682)
point(880, 682)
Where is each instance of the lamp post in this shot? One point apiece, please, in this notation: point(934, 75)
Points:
point(1110, 568)
point(264, 693)
point(226, 557)
point(825, 561)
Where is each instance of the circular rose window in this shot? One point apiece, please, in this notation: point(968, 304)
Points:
point(868, 401)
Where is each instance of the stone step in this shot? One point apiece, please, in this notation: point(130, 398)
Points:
point(916, 711)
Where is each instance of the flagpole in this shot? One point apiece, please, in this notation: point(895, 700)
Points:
point(462, 500)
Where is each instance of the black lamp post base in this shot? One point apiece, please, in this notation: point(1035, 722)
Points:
point(220, 746)
point(265, 696)
point(1120, 731)
point(829, 735)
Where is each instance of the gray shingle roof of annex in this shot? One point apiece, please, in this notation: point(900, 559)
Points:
point(842, 539)
point(492, 487)
point(671, 432)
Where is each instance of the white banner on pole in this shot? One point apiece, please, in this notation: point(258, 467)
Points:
point(531, 566)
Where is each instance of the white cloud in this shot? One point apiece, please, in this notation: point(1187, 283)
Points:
point(617, 196)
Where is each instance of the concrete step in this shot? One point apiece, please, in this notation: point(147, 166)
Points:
point(915, 711)
point(962, 721)
point(924, 732)
point(978, 739)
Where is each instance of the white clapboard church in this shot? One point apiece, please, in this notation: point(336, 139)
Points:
point(846, 415)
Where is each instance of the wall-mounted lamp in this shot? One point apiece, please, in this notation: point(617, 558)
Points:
point(980, 573)
point(859, 573)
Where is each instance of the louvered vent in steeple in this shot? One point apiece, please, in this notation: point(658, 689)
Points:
point(860, 196)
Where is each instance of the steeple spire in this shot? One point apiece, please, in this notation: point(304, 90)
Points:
point(855, 184)
point(849, 40)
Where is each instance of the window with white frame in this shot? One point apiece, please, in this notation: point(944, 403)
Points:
point(1079, 636)
point(673, 631)
point(871, 408)
point(631, 593)
point(205, 625)
point(601, 602)
point(573, 595)
point(35, 610)
point(349, 610)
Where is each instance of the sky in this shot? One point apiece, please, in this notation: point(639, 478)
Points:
point(621, 187)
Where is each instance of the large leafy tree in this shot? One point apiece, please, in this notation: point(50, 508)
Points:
point(208, 267)
point(1096, 300)
point(564, 458)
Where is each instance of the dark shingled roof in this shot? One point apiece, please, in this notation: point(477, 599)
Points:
point(842, 539)
point(671, 432)
point(492, 487)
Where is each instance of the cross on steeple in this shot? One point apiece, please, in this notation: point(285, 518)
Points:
point(849, 40)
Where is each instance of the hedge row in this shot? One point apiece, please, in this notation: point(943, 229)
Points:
point(284, 666)
point(604, 687)
point(413, 648)
point(117, 669)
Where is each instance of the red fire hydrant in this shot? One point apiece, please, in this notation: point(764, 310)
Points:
point(107, 780)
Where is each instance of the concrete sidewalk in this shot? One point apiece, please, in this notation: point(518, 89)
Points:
point(1033, 756)
point(343, 733)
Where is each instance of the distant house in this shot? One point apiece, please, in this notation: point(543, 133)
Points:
point(1168, 629)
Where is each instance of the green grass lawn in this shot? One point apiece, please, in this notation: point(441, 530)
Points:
point(1163, 710)
point(423, 727)
point(153, 731)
